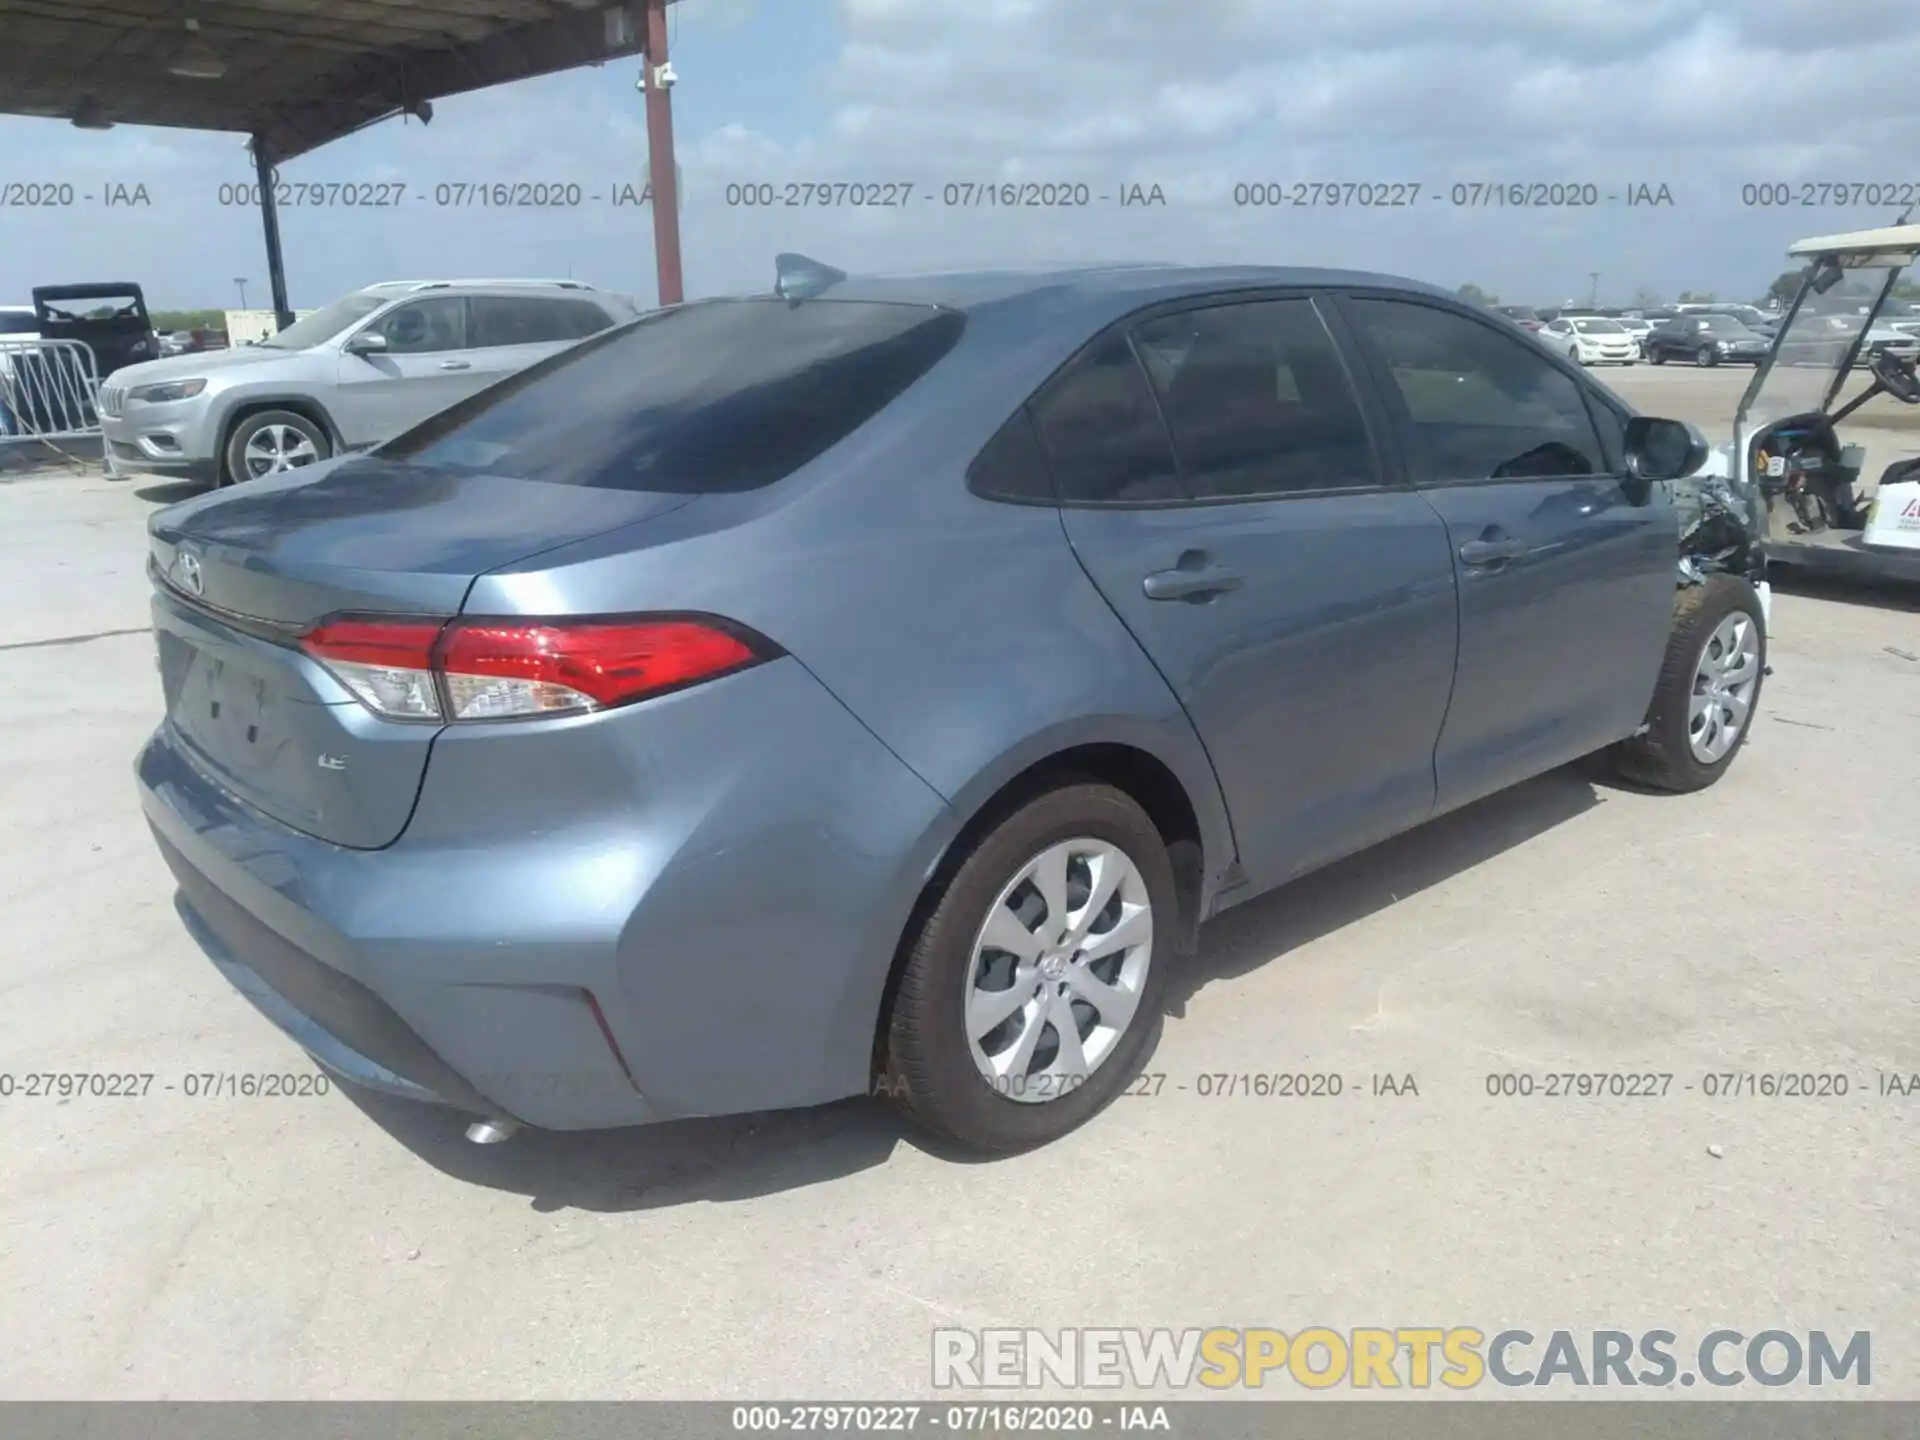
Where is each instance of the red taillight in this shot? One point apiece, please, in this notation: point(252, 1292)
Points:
point(497, 669)
point(516, 667)
point(404, 643)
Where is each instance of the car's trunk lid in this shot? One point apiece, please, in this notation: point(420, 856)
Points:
point(241, 575)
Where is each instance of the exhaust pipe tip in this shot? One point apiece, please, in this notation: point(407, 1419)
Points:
point(492, 1132)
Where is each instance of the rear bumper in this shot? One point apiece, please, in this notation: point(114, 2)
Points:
point(573, 932)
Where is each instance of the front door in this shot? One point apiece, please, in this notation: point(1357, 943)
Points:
point(427, 365)
point(1220, 485)
point(1566, 587)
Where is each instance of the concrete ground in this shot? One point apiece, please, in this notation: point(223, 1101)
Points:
point(342, 1247)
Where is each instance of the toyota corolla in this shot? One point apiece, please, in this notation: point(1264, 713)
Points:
point(875, 684)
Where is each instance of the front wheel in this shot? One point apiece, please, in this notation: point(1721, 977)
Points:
point(1656, 357)
point(1029, 992)
point(1706, 355)
point(1709, 687)
point(270, 442)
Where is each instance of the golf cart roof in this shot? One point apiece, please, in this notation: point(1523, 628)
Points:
point(1893, 242)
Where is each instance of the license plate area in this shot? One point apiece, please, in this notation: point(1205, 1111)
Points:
point(242, 709)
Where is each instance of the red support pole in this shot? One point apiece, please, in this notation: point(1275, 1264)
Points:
point(663, 173)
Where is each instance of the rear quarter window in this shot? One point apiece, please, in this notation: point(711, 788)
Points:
point(717, 396)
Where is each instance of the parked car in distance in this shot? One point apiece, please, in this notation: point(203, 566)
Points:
point(1704, 338)
point(1752, 316)
point(1639, 328)
point(1525, 316)
point(869, 688)
point(1891, 336)
point(347, 376)
point(1592, 340)
point(19, 326)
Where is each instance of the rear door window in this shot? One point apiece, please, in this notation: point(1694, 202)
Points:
point(532, 320)
point(1258, 400)
point(721, 395)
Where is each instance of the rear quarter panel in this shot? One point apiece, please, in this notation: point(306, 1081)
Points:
point(961, 631)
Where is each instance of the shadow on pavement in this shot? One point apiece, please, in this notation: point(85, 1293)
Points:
point(1845, 589)
point(1259, 931)
point(165, 492)
point(649, 1167)
point(740, 1157)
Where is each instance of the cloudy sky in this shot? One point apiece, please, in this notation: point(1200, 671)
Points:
point(1196, 97)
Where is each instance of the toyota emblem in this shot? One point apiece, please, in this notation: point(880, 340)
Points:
point(187, 567)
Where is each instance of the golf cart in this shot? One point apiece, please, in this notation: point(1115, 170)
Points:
point(1787, 451)
point(110, 317)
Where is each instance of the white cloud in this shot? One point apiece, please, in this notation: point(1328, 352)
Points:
point(1192, 95)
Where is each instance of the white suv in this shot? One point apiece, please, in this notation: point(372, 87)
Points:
point(359, 371)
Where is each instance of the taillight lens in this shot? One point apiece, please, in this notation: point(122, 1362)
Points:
point(387, 664)
point(506, 669)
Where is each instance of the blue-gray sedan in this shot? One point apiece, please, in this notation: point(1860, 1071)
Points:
point(872, 686)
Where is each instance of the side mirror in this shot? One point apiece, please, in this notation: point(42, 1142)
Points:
point(1659, 449)
point(367, 342)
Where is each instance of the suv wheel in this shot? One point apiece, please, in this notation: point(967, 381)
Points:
point(1031, 990)
point(1708, 689)
point(1706, 355)
point(270, 441)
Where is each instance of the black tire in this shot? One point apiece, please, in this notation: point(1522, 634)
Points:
point(1656, 356)
point(1706, 357)
point(233, 467)
point(926, 1067)
point(1662, 757)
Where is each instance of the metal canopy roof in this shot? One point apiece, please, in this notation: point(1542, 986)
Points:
point(298, 73)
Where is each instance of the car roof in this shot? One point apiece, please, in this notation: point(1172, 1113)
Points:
point(1096, 295)
point(410, 287)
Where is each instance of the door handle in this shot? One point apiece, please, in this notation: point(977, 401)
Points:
point(456, 364)
point(1199, 581)
point(1492, 552)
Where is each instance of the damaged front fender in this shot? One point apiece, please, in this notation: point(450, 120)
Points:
point(1719, 524)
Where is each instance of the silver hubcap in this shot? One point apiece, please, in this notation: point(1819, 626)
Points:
point(1058, 969)
point(274, 448)
point(1723, 685)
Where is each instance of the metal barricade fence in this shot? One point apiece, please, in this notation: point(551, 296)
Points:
point(48, 391)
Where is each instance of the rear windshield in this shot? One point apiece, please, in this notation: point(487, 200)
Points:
point(721, 395)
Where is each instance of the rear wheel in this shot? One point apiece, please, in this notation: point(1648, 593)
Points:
point(270, 442)
point(1030, 990)
point(1708, 689)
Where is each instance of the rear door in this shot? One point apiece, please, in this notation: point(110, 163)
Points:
point(428, 364)
point(510, 332)
point(1296, 598)
point(1566, 587)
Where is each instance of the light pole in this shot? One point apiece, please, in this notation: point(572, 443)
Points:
point(241, 281)
point(1593, 295)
